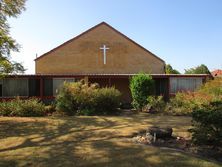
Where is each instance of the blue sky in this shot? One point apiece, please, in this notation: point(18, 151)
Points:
point(184, 33)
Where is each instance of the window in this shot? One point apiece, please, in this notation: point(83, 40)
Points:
point(58, 82)
point(12, 87)
point(184, 84)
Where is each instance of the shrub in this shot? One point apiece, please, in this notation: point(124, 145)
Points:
point(23, 108)
point(83, 99)
point(65, 101)
point(107, 100)
point(184, 103)
point(207, 125)
point(141, 86)
point(50, 109)
point(86, 112)
point(212, 87)
point(6, 108)
point(156, 103)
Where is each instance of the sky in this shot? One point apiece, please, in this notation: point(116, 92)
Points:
point(184, 33)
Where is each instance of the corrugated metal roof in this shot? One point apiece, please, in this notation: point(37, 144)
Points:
point(106, 75)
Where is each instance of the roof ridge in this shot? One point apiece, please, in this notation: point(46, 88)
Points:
point(92, 28)
point(70, 40)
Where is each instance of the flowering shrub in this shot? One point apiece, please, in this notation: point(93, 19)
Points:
point(213, 87)
point(186, 102)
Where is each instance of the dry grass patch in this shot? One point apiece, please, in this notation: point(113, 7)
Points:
point(89, 141)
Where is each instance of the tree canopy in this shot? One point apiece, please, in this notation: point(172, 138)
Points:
point(9, 8)
point(202, 69)
point(169, 70)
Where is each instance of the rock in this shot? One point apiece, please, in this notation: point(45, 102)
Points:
point(143, 139)
point(149, 137)
point(161, 132)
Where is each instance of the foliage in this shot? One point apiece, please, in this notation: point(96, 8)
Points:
point(9, 8)
point(141, 86)
point(83, 99)
point(65, 100)
point(106, 100)
point(213, 87)
point(202, 69)
point(155, 103)
point(207, 125)
point(207, 121)
point(86, 112)
point(184, 103)
point(50, 109)
point(169, 70)
point(23, 108)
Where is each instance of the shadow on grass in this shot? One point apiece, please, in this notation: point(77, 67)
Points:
point(85, 141)
point(9, 163)
point(127, 154)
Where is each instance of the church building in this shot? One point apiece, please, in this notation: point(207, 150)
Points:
point(103, 55)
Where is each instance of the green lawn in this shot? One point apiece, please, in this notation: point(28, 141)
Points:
point(89, 141)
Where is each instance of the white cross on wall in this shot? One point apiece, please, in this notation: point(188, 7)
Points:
point(104, 48)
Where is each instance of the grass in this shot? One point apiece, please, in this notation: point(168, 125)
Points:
point(89, 141)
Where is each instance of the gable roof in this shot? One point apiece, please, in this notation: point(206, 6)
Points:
point(216, 73)
point(102, 23)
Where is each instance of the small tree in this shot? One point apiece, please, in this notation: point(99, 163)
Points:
point(202, 69)
point(169, 70)
point(141, 86)
point(8, 9)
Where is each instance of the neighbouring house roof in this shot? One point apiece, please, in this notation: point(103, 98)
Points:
point(102, 23)
point(216, 73)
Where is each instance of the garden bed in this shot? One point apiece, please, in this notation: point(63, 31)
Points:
point(180, 144)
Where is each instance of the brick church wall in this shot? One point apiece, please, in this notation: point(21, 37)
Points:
point(83, 55)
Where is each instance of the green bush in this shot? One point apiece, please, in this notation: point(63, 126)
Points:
point(6, 108)
point(83, 99)
point(23, 108)
point(106, 100)
point(156, 103)
point(207, 125)
point(86, 112)
point(141, 86)
point(65, 100)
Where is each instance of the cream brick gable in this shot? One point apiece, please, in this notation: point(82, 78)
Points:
point(82, 55)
